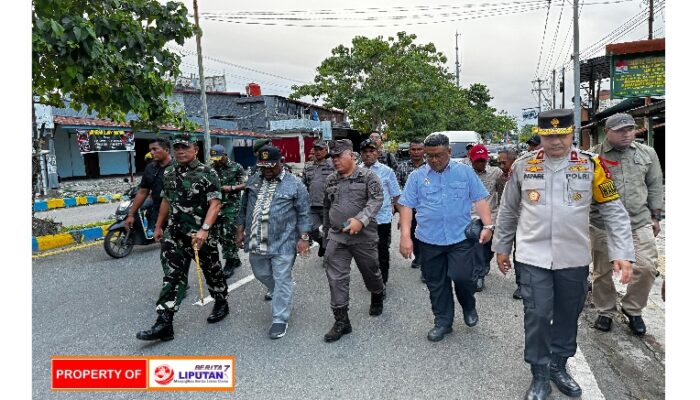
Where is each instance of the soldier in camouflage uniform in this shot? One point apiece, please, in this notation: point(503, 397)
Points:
point(191, 201)
point(232, 183)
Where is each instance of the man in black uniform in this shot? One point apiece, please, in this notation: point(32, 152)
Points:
point(151, 183)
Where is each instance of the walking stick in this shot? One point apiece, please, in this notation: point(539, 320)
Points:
point(199, 273)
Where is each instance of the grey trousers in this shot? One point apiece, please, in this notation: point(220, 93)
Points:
point(552, 301)
point(275, 272)
point(337, 264)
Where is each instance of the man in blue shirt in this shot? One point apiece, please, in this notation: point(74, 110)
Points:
point(442, 193)
point(390, 186)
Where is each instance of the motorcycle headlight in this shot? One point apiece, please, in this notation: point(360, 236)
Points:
point(123, 206)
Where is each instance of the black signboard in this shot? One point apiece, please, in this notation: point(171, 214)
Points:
point(100, 140)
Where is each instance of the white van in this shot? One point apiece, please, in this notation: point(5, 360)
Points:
point(459, 140)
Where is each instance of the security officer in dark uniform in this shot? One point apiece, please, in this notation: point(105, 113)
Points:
point(547, 202)
point(191, 203)
point(231, 177)
point(352, 199)
point(314, 177)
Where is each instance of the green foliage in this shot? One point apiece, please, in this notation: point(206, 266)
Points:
point(525, 132)
point(401, 88)
point(110, 55)
point(84, 226)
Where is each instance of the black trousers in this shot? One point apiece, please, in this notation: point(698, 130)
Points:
point(552, 301)
point(515, 265)
point(488, 256)
point(444, 265)
point(384, 232)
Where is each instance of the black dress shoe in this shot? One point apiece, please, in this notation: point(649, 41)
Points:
point(321, 251)
point(471, 318)
point(219, 311)
point(636, 324)
point(415, 265)
point(438, 333)
point(603, 323)
point(517, 295)
point(480, 284)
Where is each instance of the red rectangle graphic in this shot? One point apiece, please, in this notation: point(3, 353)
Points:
point(96, 373)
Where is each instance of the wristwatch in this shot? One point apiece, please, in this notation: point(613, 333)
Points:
point(305, 237)
point(205, 227)
point(491, 227)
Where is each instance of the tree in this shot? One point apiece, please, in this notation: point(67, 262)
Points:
point(398, 86)
point(109, 55)
point(525, 132)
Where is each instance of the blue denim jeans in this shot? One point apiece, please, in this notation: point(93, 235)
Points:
point(275, 272)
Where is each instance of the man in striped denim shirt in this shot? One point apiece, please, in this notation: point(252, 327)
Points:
point(273, 243)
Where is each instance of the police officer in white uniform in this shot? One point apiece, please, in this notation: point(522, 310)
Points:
point(547, 201)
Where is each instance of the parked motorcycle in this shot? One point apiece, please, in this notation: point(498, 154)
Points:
point(119, 242)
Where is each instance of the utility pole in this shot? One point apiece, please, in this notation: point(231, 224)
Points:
point(202, 86)
point(651, 19)
point(554, 85)
point(563, 87)
point(457, 57)
point(539, 93)
point(647, 100)
point(577, 80)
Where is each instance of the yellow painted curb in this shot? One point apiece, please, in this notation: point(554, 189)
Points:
point(53, 241)
point(81, 200)
point(55, 203)
point(66, 250)
point(101, 199)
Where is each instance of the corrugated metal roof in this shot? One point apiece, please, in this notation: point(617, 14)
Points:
point(88, 122)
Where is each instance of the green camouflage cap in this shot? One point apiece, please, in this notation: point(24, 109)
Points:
point(184, 138)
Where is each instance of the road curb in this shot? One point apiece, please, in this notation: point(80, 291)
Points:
point(47, 242)
point(64, 202)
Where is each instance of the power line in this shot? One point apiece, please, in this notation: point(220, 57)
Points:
point(184, 50)
point(554, 40)
point(368, 10)
point(625, 28)
point(486, 13)
point(544, 34)
point(378, 10)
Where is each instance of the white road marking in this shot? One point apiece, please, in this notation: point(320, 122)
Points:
point(231, 288)
point(581, 372)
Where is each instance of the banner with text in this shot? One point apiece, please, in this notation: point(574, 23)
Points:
point(638, 75)
point(101, 140)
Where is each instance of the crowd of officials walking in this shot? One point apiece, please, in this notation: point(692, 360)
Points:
point(553, 211)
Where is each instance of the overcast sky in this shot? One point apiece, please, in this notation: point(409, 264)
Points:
point(500, 51)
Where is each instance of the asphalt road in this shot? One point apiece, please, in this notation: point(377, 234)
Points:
point(86, 303)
